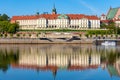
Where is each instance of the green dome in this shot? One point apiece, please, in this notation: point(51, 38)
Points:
point(62, 16)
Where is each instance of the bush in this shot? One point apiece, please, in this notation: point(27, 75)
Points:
point(37, 34)
point(111, 35)
point(90, 35)
point(100, 32)
point(18, 35)
point(80, 35)
point(11, 35)
point(24, 35)
point(87, 35)
point(96, 35)
point(1, 35)
point(5, 35)
point(29, 35)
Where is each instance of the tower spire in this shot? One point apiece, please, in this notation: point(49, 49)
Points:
point(54, 6)
point(54, 10)
point(110, 7)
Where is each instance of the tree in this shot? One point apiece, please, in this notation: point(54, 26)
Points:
point(7, 27)
point(13, 28)
point(4, 25)
point(103, 25)
point(4, 17)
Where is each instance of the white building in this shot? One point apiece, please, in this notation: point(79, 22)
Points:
point(117, 22)
point(57, 21)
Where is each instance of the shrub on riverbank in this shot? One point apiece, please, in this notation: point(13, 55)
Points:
point(94, 32)
point(7, 27)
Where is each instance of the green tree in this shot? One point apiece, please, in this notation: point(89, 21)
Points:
point(103, 25)
point(4, 17)
point(13, 28)
point(7, 27)
point(4, 25)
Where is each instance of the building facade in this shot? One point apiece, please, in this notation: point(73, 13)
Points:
point(113, 15)
point(57, 21)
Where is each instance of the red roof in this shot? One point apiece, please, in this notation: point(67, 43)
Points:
point(53, 16)
point(83, 67)
point(103, 15)
point(106, 21)
point(52, 68)
point(117, 20)
point(34, 67)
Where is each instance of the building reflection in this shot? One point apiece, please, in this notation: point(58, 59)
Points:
point(68, 57)
point(117, 66)
point(59, 57)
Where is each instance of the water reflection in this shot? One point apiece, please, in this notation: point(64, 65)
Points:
point(60, 57)
point(6, 58)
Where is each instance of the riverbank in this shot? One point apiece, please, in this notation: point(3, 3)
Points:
point(44, 41)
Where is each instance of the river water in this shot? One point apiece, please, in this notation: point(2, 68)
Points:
point(59, 62)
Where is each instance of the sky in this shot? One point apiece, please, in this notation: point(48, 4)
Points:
point(31, 7)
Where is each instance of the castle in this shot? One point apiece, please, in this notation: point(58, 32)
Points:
point(56, 21)
point(66, 21)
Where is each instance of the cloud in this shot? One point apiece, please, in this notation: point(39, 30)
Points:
point(94, 10)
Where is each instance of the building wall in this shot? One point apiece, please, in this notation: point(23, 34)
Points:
point(117, 14)
point(117, 23)
point(94, 24)
point(62, 23)
point(79, 23)
point(43, 23)
point(103, 17)
point(27, 24)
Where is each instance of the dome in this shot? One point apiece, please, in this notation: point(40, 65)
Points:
point(62, 16)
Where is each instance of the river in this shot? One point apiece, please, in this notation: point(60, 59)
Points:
point(59, 62)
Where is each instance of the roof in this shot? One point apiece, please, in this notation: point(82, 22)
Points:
point(51, 67)
point(112, 12)
point(54, 16)
point(106, 21)
point(62, 16)
point(117, 20)
point(103, 15)
point(112, 70)
point(29, 17)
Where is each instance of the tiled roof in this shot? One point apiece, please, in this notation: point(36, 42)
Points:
point(76, 16)
point(103, 15)
point(54, 16)
point(112, 12)
point(106, 21)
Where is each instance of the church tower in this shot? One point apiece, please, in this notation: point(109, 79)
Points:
point(54, 10)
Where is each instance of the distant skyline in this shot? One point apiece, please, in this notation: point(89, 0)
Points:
point(30, 7)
